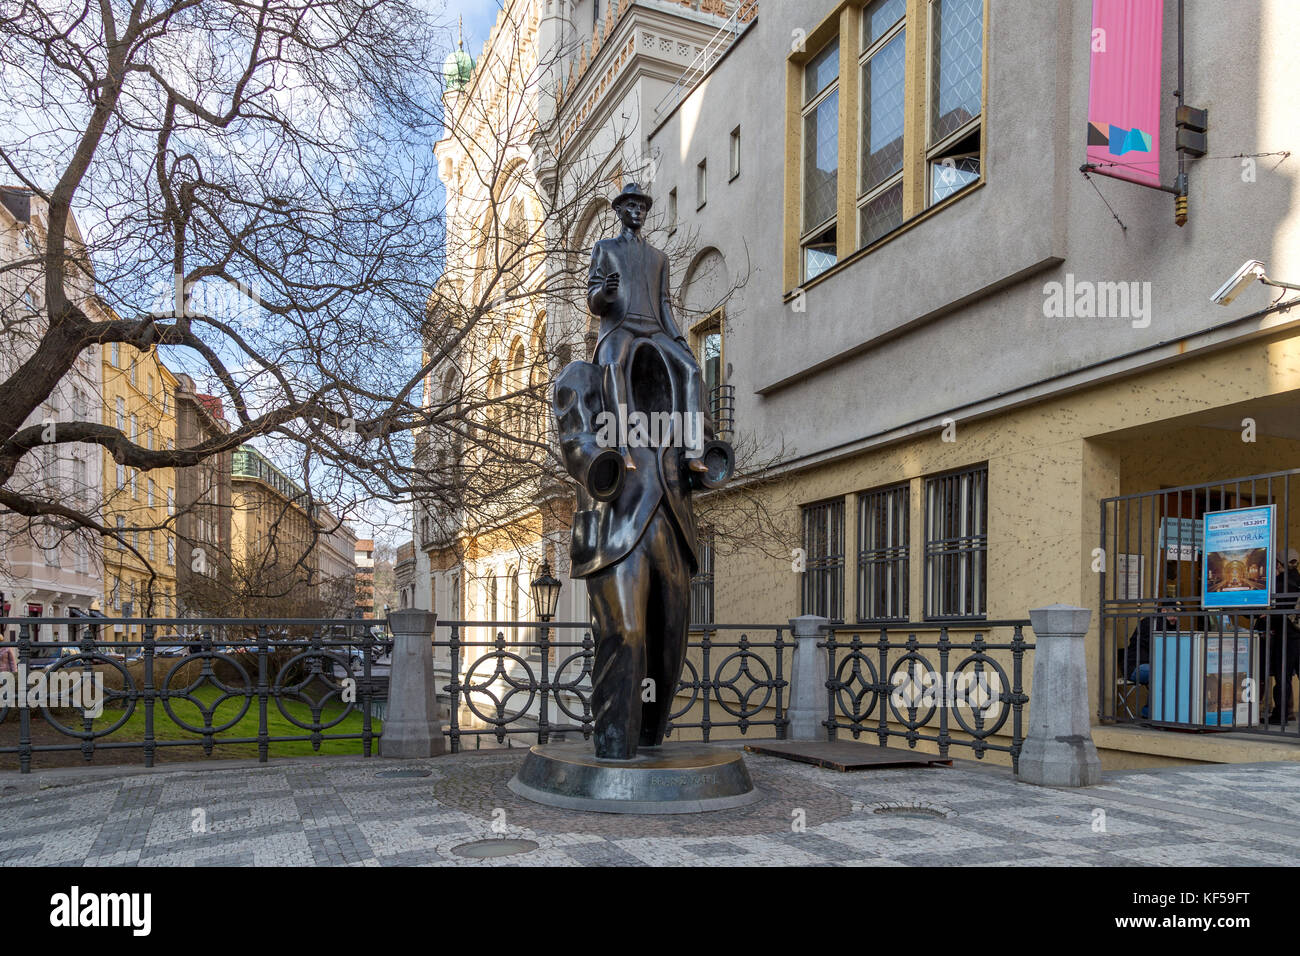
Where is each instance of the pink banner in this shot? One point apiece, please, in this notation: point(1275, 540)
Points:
point(1124, 90)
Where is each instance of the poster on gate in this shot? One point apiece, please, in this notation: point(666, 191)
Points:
point(1238, 566)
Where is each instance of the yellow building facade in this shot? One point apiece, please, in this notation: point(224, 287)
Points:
point(139, 399)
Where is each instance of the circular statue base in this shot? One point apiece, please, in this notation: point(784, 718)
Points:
point(674, 778)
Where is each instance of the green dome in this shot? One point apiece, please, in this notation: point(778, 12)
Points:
point(458, 69)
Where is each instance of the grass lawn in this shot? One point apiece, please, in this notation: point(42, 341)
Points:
point(277, 724)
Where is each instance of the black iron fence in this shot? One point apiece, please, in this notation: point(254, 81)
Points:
point(1167, 661)
point(83, 684)
point(916, 688)
point(1165, 666)
point(534, 680)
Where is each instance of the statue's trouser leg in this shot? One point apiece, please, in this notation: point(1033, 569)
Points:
point(669, 620)
point(692, 385)
point(619, 595)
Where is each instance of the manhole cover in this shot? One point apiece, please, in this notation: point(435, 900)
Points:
point(402, 774)
point(915, 811)
point(486, 849)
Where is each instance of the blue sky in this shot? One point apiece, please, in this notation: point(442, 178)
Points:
point(479, 16)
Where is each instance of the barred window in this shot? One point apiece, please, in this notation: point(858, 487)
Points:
point(823, 545)
point(702, 583)
point(883, 554)
point(956, 544)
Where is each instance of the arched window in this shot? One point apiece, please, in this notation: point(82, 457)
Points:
point(516, 383)
point(538, 380)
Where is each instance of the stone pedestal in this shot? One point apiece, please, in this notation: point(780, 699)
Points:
point(412, 729)
point(673, 778)
point(1058, 750)
point(808, 701)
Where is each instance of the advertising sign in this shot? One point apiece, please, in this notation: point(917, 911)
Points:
point(1182, 539)
point(1238, 566)
point(1124, 90)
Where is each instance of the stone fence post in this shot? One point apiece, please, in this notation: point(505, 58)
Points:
point(412, 728)
point(1059, 751)
point(807, 705)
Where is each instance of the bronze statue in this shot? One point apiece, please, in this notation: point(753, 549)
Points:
point(635, 434)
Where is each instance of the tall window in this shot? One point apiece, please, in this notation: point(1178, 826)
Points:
point(121, 414)
point(733, 153)
point(956, 75)
point(672, 210)
point(880, 190)
point(823, 545)
point(708, 343)
point(883, 554)
point(702, 583)
point(701, 184)
point(821, 160)
point(956, 544)
point(914, 139)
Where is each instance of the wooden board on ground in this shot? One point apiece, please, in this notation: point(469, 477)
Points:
point(844, 755)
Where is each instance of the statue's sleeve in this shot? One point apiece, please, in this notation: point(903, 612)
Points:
point(596, 300)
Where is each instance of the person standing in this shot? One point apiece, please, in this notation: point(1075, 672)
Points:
point(1283, 637)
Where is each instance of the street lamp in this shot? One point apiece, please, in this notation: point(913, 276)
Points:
point(546, 592)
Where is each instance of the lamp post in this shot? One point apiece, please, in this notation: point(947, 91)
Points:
point(546, 595)
point(546, 592)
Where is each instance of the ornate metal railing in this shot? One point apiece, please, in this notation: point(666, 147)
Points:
point(217, 672)
point(879, 684)
point(527, 681)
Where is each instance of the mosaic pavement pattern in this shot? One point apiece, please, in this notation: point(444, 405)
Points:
point(338, 812)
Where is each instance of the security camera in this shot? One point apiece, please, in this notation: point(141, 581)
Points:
point(1248, 273)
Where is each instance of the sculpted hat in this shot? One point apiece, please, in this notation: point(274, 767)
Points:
point(631, 191)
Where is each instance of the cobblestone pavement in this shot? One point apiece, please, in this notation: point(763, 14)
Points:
point(338, 812)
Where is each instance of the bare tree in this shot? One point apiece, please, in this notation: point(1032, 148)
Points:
point(261, 203)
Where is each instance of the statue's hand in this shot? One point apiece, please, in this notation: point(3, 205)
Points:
point(611, 285)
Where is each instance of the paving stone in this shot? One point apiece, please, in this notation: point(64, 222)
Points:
point(338, 813)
